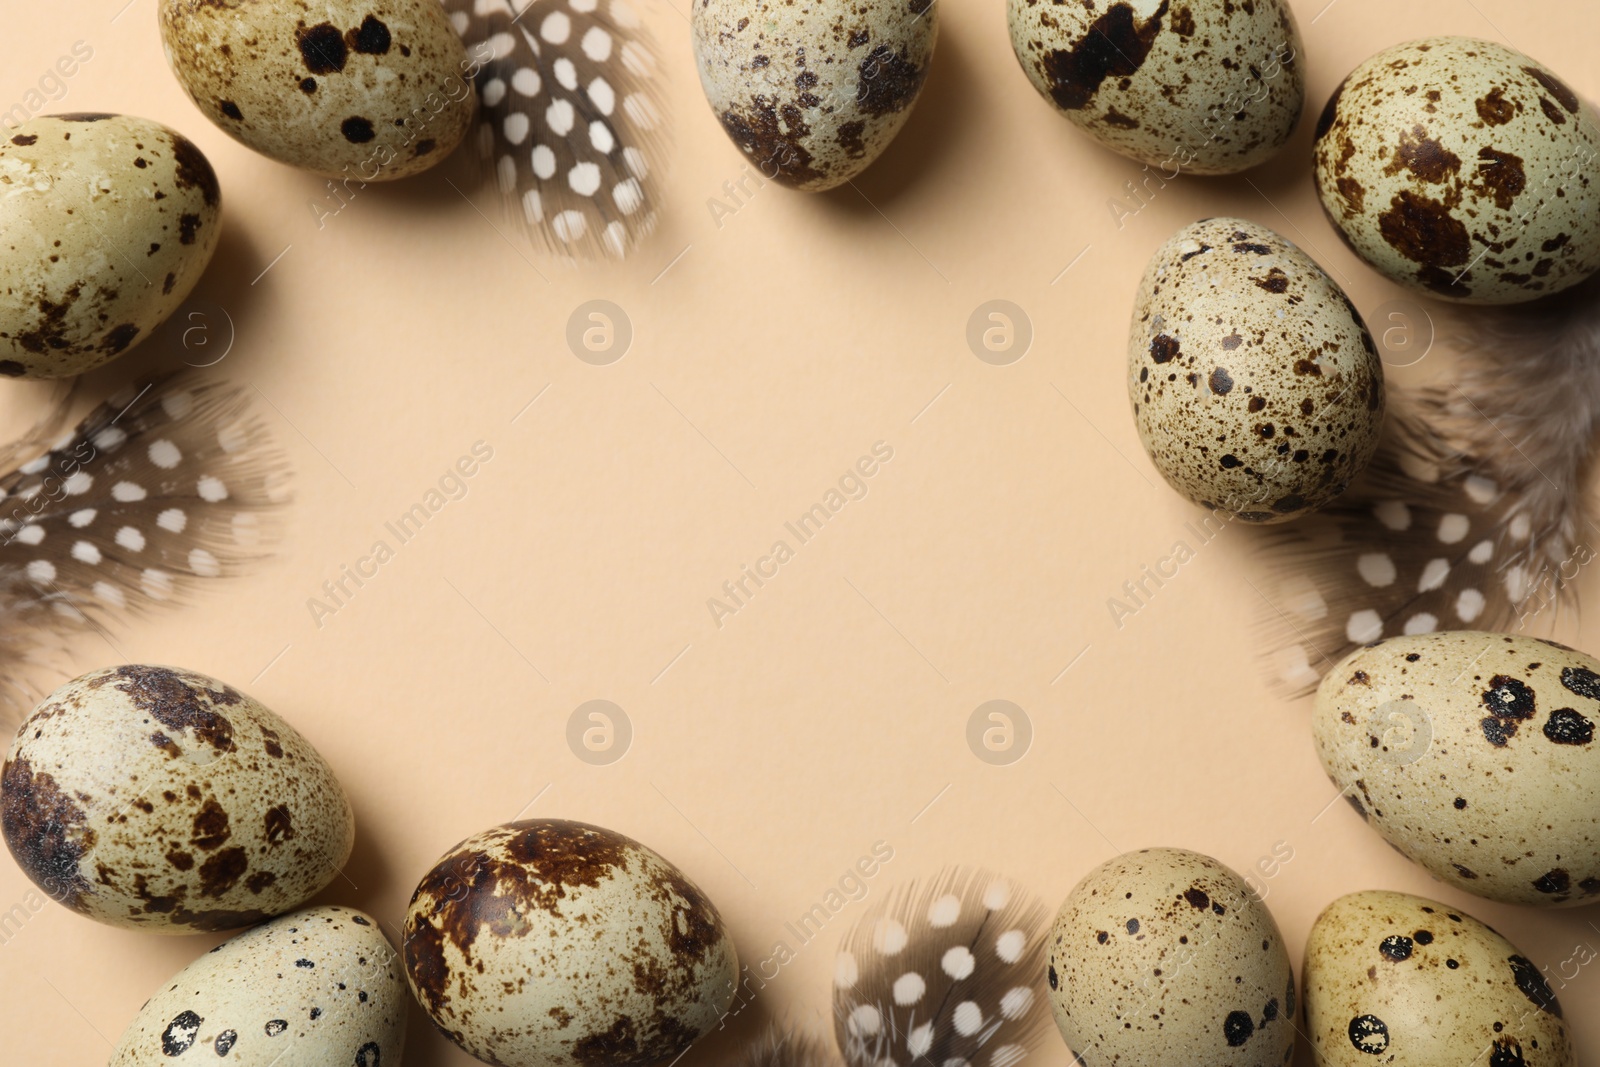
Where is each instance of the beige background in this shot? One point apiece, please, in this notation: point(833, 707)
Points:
point(769, 354)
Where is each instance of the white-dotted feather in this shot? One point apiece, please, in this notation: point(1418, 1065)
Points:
point(1474, 516)
point(158, 489)
point(945, 974)
point(572, 130)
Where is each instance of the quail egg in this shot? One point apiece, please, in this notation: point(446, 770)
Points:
point(1165, 956)
point(812, 91)
point(323, 983)
point(1257, 390)
point(106, 224)
point(1192, 86)
point(370, 90)
point(1463, 169)
point(1474, 754)
point(164, 800)
point(1393, 978)
point(549, 943)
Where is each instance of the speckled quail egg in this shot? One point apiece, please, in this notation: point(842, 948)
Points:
point(1164, 956)
point(322, 982)
point(1393, 978)
point(370, 90)
point(106, 224)
point(1255, 385)
point(164, 800)
point(1474, 754)
point(548, 943)
point(1195, 86)
point(1464, 169)
point(813, 91)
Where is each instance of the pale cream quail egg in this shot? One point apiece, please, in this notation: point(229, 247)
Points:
point(1257, 390)
point(106, 224)
point(320, 986)
point(369, 90)
point(1397, 979)
point(1165, 956)
point(1475, 755)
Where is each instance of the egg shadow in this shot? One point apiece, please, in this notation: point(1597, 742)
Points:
point(364, 882)
point(740, 1028)
point(940, 118)
point(439, 190)
point(203, 332)
point(1262, 193)
point(1288, 172)
point(424, 1041)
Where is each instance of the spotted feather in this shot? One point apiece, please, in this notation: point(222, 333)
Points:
point(572, 131)
point(159, 489)
point(1476, 513)
point(943, 973)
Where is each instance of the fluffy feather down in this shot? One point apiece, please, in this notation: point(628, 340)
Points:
point(1475, 515)
point(782, 1047)
point(158, 489)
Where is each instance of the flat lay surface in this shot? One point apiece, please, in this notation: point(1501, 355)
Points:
point(815, 536)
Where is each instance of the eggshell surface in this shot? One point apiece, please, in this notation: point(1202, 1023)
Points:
point(1473, 754)
point(547, 943)
point(164, 800)
point(106, 224)
point(372, 90)
point(1393, 978)
point(1463, 169)
point(1255, 385)
point(1192, 86)
point(320, 986)
point(1164, 956)
point(813, 91)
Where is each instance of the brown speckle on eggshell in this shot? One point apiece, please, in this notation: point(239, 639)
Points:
point(549, 943)
point(164, 800)
point(1186, 86)
point(1165, 956)
point(1257, 390)
point(811, 91)
point(1463, 169)
point(366, 90)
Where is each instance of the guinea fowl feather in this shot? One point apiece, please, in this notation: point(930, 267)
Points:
point(942, 973)
point(167, 485)
point(1474, 516)
point(945, 973)
point(571, 128)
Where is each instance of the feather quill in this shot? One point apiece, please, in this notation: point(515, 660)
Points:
point(1474, 516)
point(571, 128)
point(159, 489)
